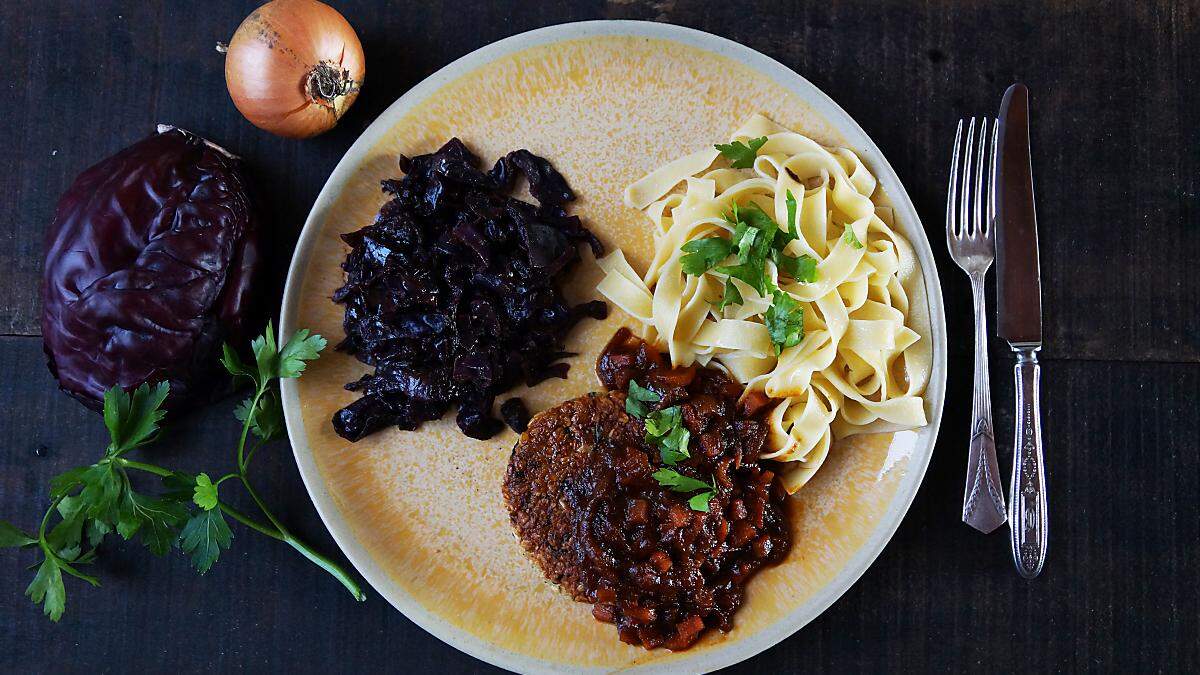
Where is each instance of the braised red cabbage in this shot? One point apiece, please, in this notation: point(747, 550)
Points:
point(150, 264)
point(515, 415)
point(454, 295)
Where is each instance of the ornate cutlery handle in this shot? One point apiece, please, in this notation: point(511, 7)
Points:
point(1028, 497)
point(983, 498)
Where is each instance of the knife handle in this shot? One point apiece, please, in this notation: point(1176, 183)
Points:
point(1027, 499)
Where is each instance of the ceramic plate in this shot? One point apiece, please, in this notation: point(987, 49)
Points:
point(420, 515)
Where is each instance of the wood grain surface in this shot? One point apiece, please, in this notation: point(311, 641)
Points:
point(1116, 132)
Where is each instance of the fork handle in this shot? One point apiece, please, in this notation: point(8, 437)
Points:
point(1028, 488)
point(983, 498)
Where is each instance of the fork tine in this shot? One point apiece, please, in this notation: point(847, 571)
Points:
point(977, 197)
point(964, 201)
point(952, 191)
point(993, 178)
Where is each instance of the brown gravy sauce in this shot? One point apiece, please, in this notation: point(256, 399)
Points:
point(659, 570)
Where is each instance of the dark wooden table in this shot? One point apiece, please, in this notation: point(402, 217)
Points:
point(1117, 153)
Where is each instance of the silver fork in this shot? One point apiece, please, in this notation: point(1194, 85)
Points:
point(970, 212)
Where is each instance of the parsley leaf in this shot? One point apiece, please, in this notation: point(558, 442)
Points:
point(673, 448)
point(677, 482)
point(101, 489)
point(300, 348)
point(233, 363)
point(755, 217)
point(203, 537)
point(704, 254)
point(745, 236)
point(700, 502)
point(97, 530)
point(64, 540)
point(785, 321)
point(13, 537)
point(133, 420)
point(851, 238)
point(266, 355)
point(732, 296)
point(792, 207)
point(288, 362)
point(47, 589)
point(205, 493)
point(160, 519)
point(664, 428)
point(803, 268)
point(739, 154)
point(129, 521)
point(750, 273)
point(660, 422)
point(638, 397)
point(63, 482)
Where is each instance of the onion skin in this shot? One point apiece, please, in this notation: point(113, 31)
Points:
point(294, 67)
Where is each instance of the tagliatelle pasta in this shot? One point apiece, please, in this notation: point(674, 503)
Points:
point(860, 366)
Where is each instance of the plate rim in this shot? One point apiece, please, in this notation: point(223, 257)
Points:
point(856, 137)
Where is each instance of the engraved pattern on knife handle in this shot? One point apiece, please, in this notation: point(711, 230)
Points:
point(983, 501)
point(1030, 528)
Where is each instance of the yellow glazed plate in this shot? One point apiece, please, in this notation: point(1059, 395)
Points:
point(420, 514)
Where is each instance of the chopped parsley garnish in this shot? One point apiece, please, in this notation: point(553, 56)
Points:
point(699, 502)
point(756, 239)
point(638, 397)
point(673, 448)
point(785, 321)
point(792, 207)
point(803, 268)
point(739, 154)
point(757, 218)
point(664, 429)
point(851, 239)
point(677, 482)
point(660, 422)
point(744, 237)
point(754, 236)
point(704, 254)
point(732, 296)
point(754, 275)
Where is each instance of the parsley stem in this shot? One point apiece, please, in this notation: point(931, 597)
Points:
point(329, 566)
point(281, 532)
point(241, 451)
point(305, 550)
point(253, 449)
point(142, 466)
point(249, 522)
point(46, 518)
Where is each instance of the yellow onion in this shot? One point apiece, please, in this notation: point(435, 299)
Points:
point(294, 67)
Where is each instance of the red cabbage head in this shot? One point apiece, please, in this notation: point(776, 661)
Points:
point(151, 263)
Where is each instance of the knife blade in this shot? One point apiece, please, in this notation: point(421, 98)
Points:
point(1018, 274)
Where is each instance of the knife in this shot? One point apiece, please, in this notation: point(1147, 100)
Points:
point(1019, 321)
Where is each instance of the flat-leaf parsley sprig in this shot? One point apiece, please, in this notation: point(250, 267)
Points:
point(91, 502)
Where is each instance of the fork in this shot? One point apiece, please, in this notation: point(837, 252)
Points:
point(970, 212)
